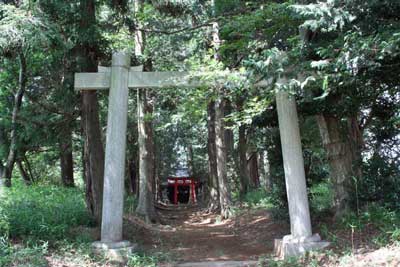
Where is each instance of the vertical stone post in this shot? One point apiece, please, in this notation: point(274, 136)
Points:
point(114, 170)
point(300, 223)
point(301, 238)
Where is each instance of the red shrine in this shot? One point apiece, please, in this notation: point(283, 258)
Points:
point(188, 182)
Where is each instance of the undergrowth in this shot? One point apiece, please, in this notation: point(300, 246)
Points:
point(44, 220)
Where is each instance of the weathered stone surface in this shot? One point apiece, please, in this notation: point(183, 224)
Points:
point(290, 246)
point(300, 222)
point(114, 169)
point(114, 251)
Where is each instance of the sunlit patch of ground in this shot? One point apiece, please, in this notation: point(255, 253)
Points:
point(195, 235)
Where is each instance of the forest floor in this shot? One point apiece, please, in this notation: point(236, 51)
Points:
point(192, 235)
point(189, 234)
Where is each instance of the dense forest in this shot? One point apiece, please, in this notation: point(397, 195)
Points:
point(338, 61)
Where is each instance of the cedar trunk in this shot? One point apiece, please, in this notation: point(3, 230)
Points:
point(6, 172)
point(212, 159)
point(93, 151)
point(340, 158)
point(66, 160)
point(224, 191)
point(146, 166)
point(252, 165)
point(25, 175)
point(93, 155)
point(263, 170)
point(243, 170)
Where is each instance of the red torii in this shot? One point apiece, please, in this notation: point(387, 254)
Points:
point(183, 181)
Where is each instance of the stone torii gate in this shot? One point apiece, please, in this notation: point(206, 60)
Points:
point(119, 79)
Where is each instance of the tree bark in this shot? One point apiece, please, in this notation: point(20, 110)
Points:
point(93, 155)
point(93, 146)
point(224, 190)
point(24, 174)
point(6, 173)
point(225, 201)
point(252, 166)
point(146, 167)
point(230, 142)
point(133, 185)
point(243, 170)
point(263, 165)
point(340, 160)
point(212, 159)
point(66, 159)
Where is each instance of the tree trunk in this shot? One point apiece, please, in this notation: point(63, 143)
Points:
point(263, 165)
point(132, 166)
point(220, 131)
point(12, 154)
point(224, 190)
point(340, 160)
point(212, 159)
point(243, 170)
point(146, 167)
point(252, 166)
point(230, 142)
point(357, 144)
point(24, 174)
point(28, 168)
point(66, 160)
point(145, 138)
point(93, 146)
point(93, 155)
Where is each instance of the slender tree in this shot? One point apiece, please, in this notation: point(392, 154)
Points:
point(93, 151)
point(146, 199)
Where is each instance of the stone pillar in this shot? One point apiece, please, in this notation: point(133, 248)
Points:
point(114, 170)
point(301, 238)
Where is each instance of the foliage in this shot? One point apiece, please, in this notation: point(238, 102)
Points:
point(258, 198)
point(383, 219)
point(43, 213)
point(23, 256)
point(321, 197)
point(341, 58)
point(139, 260)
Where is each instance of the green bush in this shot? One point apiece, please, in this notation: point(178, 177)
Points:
point(42, 212)
point(4, 223)
point(258, 198)
point(136, 260)
point(321, 197)
point(382, 218)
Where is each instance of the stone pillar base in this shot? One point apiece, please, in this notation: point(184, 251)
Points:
point(115, 251)
point(294, 247)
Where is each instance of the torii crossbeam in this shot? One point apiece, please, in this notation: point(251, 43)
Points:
point(119, 79)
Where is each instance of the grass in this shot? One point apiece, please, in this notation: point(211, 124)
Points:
point(42, 212)
point(258, 198)
point(44, 223)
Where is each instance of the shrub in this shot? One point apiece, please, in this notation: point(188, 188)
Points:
point(382, 218)
point(321, 197)
point(42, 212)
point(258, 198)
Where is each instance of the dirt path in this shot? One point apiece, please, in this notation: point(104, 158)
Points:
point(191, 235)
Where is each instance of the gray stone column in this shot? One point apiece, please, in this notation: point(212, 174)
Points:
point(114, 170)
point(300, 223)
point(301, 238)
